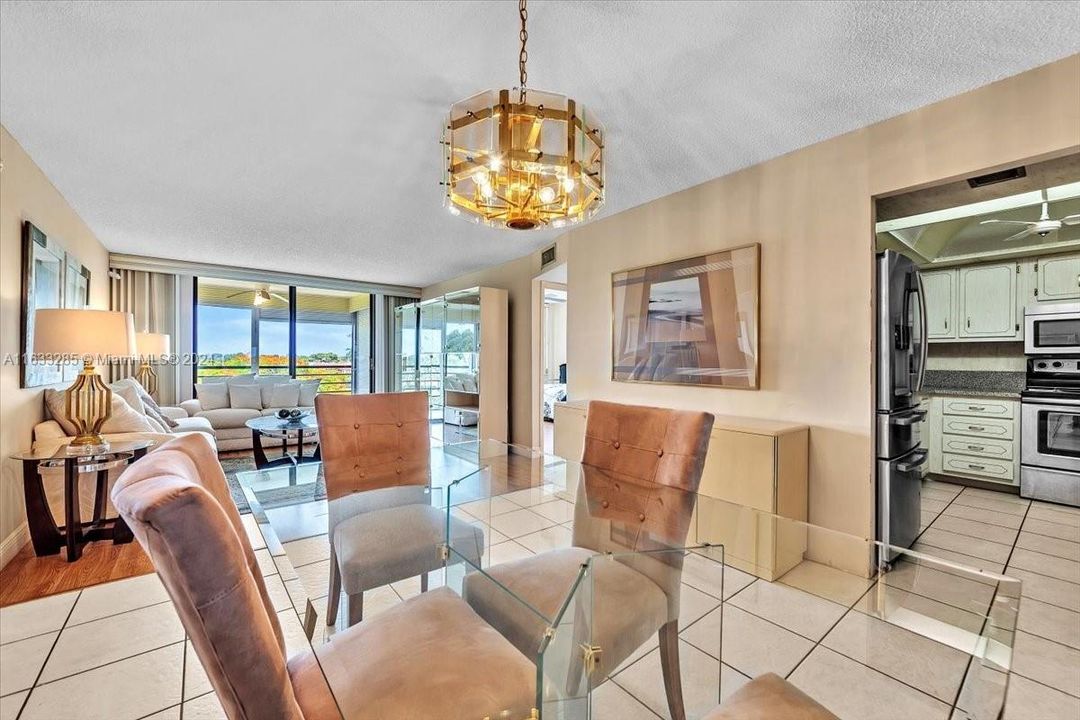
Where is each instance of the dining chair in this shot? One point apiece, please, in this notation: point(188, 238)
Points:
point(769, 697)
point(640, 472)
point(376, 455)
point(404, 663)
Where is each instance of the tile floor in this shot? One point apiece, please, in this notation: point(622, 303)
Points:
point(74, 655)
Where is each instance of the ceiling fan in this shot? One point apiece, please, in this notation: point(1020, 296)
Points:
point(1041, 227)
point(262, 296)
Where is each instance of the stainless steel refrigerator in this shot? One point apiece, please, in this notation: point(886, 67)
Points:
point(901, 364)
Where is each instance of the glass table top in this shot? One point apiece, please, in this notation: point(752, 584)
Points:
point(502, 505)
point(88, 454)
point(272, 423)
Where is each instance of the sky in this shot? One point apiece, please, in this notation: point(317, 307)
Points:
point(228, 330)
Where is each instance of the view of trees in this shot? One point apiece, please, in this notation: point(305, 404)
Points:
point(333, 370)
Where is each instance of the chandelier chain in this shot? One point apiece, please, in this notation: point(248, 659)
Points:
point(523, 56)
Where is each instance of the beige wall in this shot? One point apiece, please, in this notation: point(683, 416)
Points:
point(26, 194)
point(811, 210)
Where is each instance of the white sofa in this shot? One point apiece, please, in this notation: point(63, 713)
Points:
point(48, 434)
point(228, 422)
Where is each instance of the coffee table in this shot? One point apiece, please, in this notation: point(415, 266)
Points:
point(283, 431)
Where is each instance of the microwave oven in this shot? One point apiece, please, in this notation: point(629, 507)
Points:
point(1052, 329)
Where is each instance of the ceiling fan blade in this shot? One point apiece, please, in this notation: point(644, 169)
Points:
point(237, 294)
point(1071, 220)
point(279, 297)
point(1006, 222)
point(1020, 235)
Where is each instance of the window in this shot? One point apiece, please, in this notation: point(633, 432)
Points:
point(248, 328)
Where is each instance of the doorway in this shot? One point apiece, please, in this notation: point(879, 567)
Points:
point(549, 354)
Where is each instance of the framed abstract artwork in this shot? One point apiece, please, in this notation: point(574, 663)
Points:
point(692, 321)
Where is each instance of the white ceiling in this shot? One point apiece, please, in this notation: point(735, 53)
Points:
point(303, 136)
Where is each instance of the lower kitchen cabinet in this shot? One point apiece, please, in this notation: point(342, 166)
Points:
point(974, 437)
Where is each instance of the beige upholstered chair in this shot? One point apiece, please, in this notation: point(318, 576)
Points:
point(770, 697)
point(405, 663)
point(376, 454)
point(640, 474)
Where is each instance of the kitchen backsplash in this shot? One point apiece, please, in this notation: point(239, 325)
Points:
point(1008, 356)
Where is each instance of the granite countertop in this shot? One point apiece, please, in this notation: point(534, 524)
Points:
point(974, 383)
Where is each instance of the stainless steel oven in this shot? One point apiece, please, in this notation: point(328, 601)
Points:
point(1050, 430)
point(1051, 434)
point(1052, 329)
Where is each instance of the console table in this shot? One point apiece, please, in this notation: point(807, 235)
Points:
point(45, 535)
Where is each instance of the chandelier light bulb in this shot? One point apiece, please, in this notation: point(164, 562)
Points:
point(486, 190)
point(568, 184)
point(495, 163)
point(547, 195)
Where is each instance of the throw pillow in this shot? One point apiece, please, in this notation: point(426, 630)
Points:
point(125, 388)
point(245, 396)
point(212, 396)
point(284, 395)
point(153, 410)
point(308, 390)
point(267, 386)
point(125, 419)
point(55, 403)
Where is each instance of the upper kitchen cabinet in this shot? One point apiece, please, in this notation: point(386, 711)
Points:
point(1058, 278)
point(988, 301)
point(940, 289)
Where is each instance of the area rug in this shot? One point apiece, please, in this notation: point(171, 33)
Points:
point(272, 497)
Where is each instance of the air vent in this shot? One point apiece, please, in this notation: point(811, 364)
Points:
point(998, 177)
point(548, 256)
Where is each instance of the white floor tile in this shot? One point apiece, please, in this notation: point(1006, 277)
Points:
point(206, 707)
point(999, 504)
point(1049, 621)
point(1047, 662)
point(935, 584)
point(700, 681)
point(279, 595)
point(284, 567)
point(520, 522)
point(1028, 700)
point(266, 562)
point(975, 529)
point(827, 582)
point(933, 506)
point(976, 547)
point(611, 702)
point(307, 550)
point(895, 605)
point(506, 552)
point(706, 575)
point(798, 611)
point(1055, 513)
point(172, 713)
point(124, 690)
point(856, 692)
point(254, 535)
point(296, 640)
point(95, 643)
point(693, 605)
point(1009, 520)
point(750, 645)
point(912, 659)
point(1057, 547)
point(35, 617)
point(1047, 589)
point(1048, 565)
point(116, 597)
point(315, 577)
point(551, 538)
point(558, 510)
point(532, 496)
point(1052, 529)
point(196, 682)
point(21, 661)
point(10, 705)
point(965, 562)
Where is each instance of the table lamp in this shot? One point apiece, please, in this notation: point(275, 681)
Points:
point(96, 336)
point(150, 345)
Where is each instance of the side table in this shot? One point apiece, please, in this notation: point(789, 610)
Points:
point(46, 537)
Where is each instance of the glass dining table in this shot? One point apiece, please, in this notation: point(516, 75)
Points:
point(579, 568)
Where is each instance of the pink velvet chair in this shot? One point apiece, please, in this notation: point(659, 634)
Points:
point(405, 663)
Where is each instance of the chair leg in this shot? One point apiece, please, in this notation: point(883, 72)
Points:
point(356, 608)
point(669, 666)
point(333, 599)
point(423, 582)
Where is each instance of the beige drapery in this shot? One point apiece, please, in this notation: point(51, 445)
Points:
point(153, 298)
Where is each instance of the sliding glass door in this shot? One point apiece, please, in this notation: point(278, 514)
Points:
point(306, 333)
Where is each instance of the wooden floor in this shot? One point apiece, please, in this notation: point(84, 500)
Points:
point(28, 577)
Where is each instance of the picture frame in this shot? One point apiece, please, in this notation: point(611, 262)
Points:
point(51, 278)
point(689, 321)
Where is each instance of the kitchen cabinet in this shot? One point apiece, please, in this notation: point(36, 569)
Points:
point(974, 437)
point(987, 307)
point(940, 287)
point(1058, 278)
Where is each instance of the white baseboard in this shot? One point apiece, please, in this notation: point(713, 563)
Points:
point(13, 543)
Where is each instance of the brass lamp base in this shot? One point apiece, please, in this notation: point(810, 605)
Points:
point(148, 378)
point(88, 405)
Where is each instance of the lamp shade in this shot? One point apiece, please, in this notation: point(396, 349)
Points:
point(152, 344)
point(99, 334)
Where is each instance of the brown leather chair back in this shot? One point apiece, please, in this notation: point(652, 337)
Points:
point(177, 504)
point(373, 441)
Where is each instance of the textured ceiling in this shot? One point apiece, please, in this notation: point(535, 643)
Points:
point(303, 137)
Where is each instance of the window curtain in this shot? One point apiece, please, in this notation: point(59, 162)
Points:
point(153, 299)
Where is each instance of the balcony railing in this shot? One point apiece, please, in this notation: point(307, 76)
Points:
point(333, 378)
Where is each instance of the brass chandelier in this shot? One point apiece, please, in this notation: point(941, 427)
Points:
point(523, 159)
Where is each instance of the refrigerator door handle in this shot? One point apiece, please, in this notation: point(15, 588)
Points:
point(924, 341)
point(914, 417)
point(920, 459)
